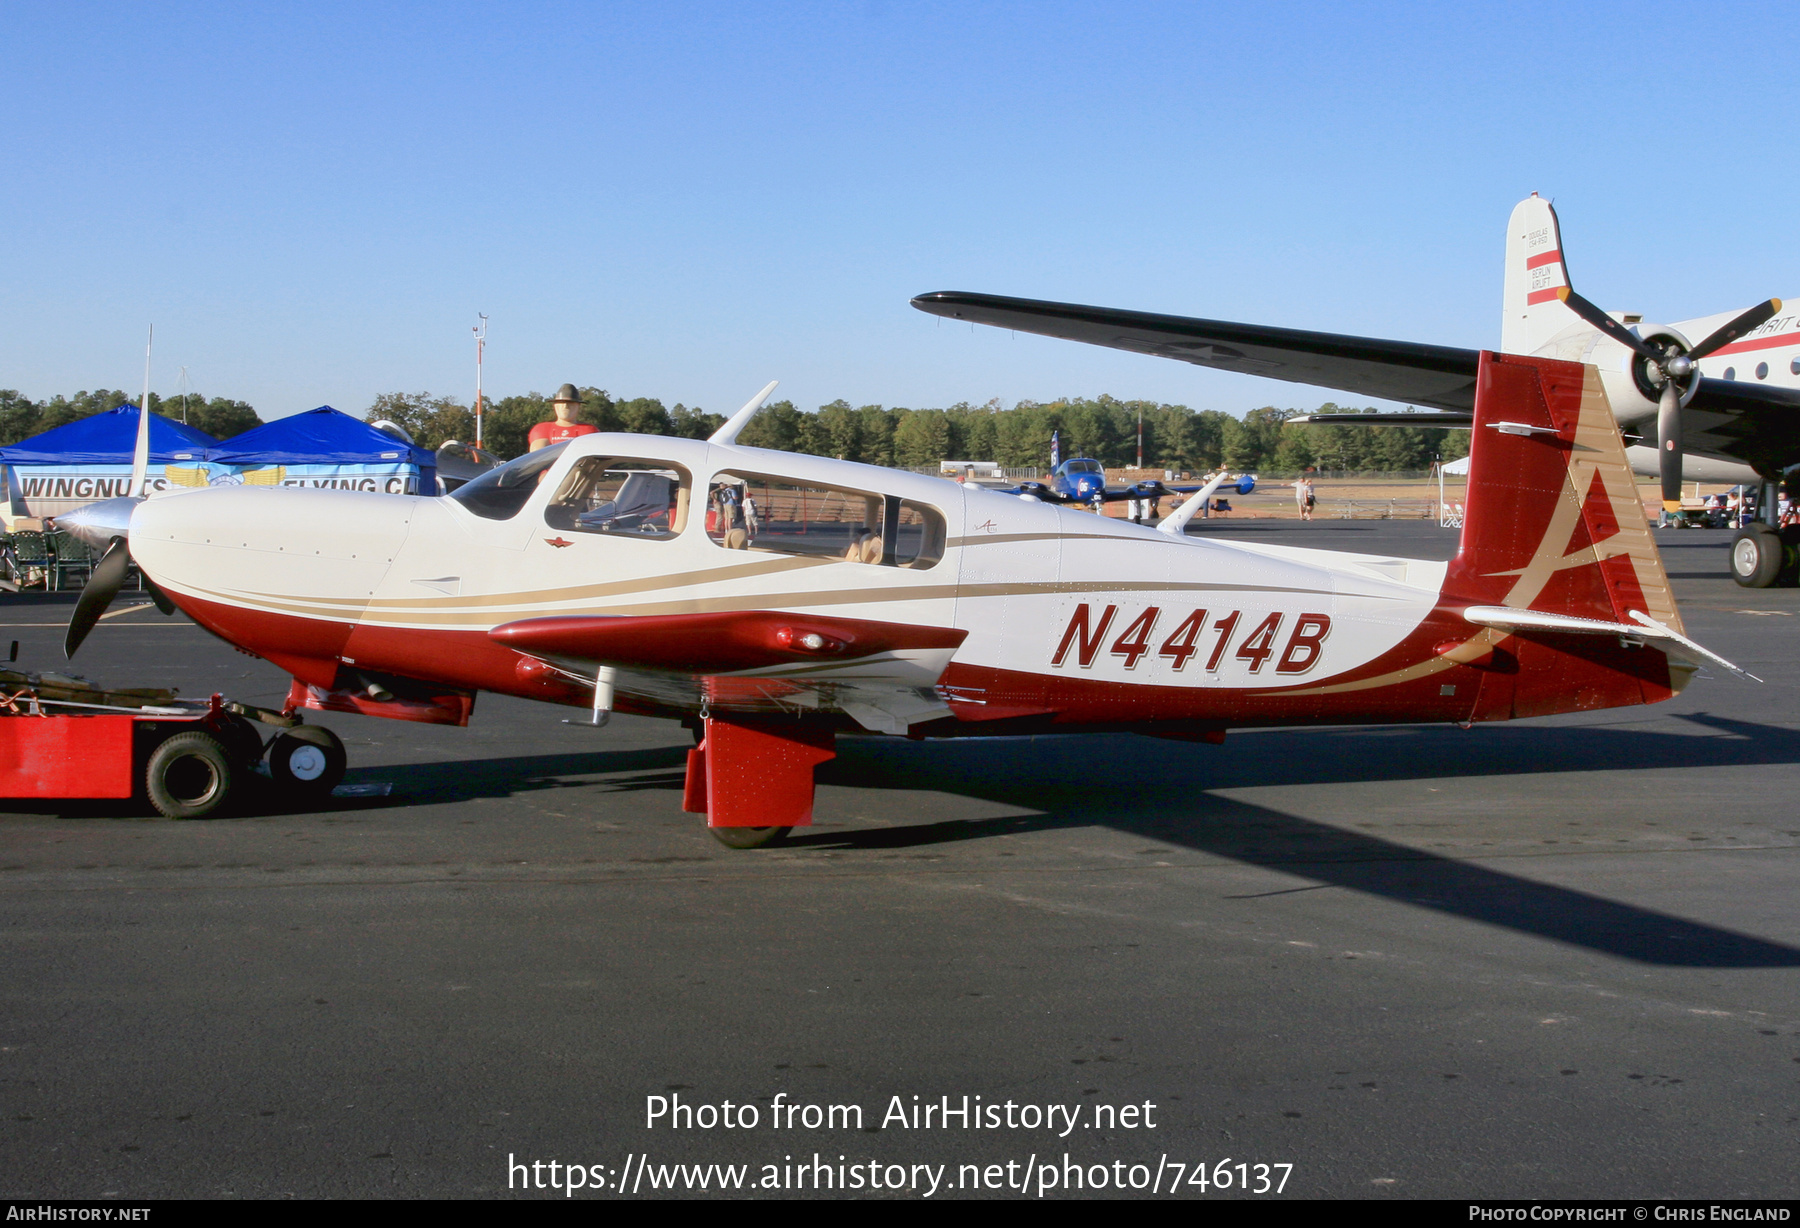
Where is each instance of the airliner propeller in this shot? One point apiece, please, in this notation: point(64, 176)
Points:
point(1672, 371)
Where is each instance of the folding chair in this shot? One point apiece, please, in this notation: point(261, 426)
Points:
point(69, 555)
point(28, 558)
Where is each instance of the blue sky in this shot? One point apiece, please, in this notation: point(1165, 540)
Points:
point(684, 201)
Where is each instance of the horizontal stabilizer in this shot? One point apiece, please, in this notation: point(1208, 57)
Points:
point(1642, 627)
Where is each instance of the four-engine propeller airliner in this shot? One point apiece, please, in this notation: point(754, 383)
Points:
point(1724, 389)
point(605, 574)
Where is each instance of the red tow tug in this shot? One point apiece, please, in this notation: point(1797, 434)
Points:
point(62, 736)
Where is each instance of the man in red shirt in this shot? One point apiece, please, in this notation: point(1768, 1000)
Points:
point(566, 404)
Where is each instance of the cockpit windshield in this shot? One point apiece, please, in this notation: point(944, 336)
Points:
point(499, 493)
point(1083, 466)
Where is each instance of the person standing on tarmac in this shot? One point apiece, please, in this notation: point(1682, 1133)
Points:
point(566, 405)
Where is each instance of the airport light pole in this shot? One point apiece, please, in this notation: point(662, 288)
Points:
point(480, 331)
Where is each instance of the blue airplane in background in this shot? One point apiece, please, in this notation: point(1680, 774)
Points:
point(1081, 479)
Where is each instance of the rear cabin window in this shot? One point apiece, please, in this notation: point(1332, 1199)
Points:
point(748, 511)
point(621, 496)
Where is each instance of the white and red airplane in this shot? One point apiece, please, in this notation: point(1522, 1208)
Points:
point(772, 601)
point(1719, 395)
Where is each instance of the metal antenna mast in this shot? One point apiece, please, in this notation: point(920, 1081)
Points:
point(184, 396)
point(480, 331)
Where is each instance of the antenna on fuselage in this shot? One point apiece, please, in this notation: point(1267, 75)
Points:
point(738, 421)
point(140, 453)
point(1176, 523)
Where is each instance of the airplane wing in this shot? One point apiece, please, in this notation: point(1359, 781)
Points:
point(1113, 494)
point(1439, 419)
point(1440, 376)
point(1147, 490)
point(882, 675)
point(1758, 424)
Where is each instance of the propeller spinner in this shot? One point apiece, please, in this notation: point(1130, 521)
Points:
point(1672, 371)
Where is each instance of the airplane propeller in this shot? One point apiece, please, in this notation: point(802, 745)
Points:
point(109, 522)
point(1671, 370)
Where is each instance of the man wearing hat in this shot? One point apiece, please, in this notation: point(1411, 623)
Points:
point(566, 404)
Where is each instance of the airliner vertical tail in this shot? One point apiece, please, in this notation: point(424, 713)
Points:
point(1531, 313)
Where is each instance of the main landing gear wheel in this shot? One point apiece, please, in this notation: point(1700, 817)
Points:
point(1756, 556)
point(749, 837)
point(189, 776)
point(308, 760)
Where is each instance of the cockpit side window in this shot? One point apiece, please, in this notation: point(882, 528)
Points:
point(499, 493)
point(748, 511)
point(621, 496)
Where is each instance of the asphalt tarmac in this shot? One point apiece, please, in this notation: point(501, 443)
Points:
point(1554, 958)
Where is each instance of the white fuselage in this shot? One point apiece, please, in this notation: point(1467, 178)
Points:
point(1014, 574)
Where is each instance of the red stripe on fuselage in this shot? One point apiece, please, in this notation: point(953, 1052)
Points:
point(1559, 674)
point(1772, 342)
point(463, 660)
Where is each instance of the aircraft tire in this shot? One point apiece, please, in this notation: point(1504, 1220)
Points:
point(189, 776)
point(750, 837)
point(242, 739)
point(308, 760)
point(1756, 556)
point(1790, 557)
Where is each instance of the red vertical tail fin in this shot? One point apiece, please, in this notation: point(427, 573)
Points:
point(1554, 521)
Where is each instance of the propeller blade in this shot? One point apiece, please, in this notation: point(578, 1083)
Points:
point(103, 585)
point(1668, 444)
point(1753, 319)
point(1606, 324)
point(159, 597)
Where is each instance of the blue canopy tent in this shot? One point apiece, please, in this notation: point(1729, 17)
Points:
point(89, 459)
point(325, 448)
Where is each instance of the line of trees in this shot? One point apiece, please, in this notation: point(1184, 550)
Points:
point(507, 422)
point(1105, 428)
point(21, 417)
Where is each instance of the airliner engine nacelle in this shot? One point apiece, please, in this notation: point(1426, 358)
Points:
point(1672, 343)
point(1631, 384)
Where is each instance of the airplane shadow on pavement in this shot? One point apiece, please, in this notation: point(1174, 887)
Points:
point(1170, 792)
